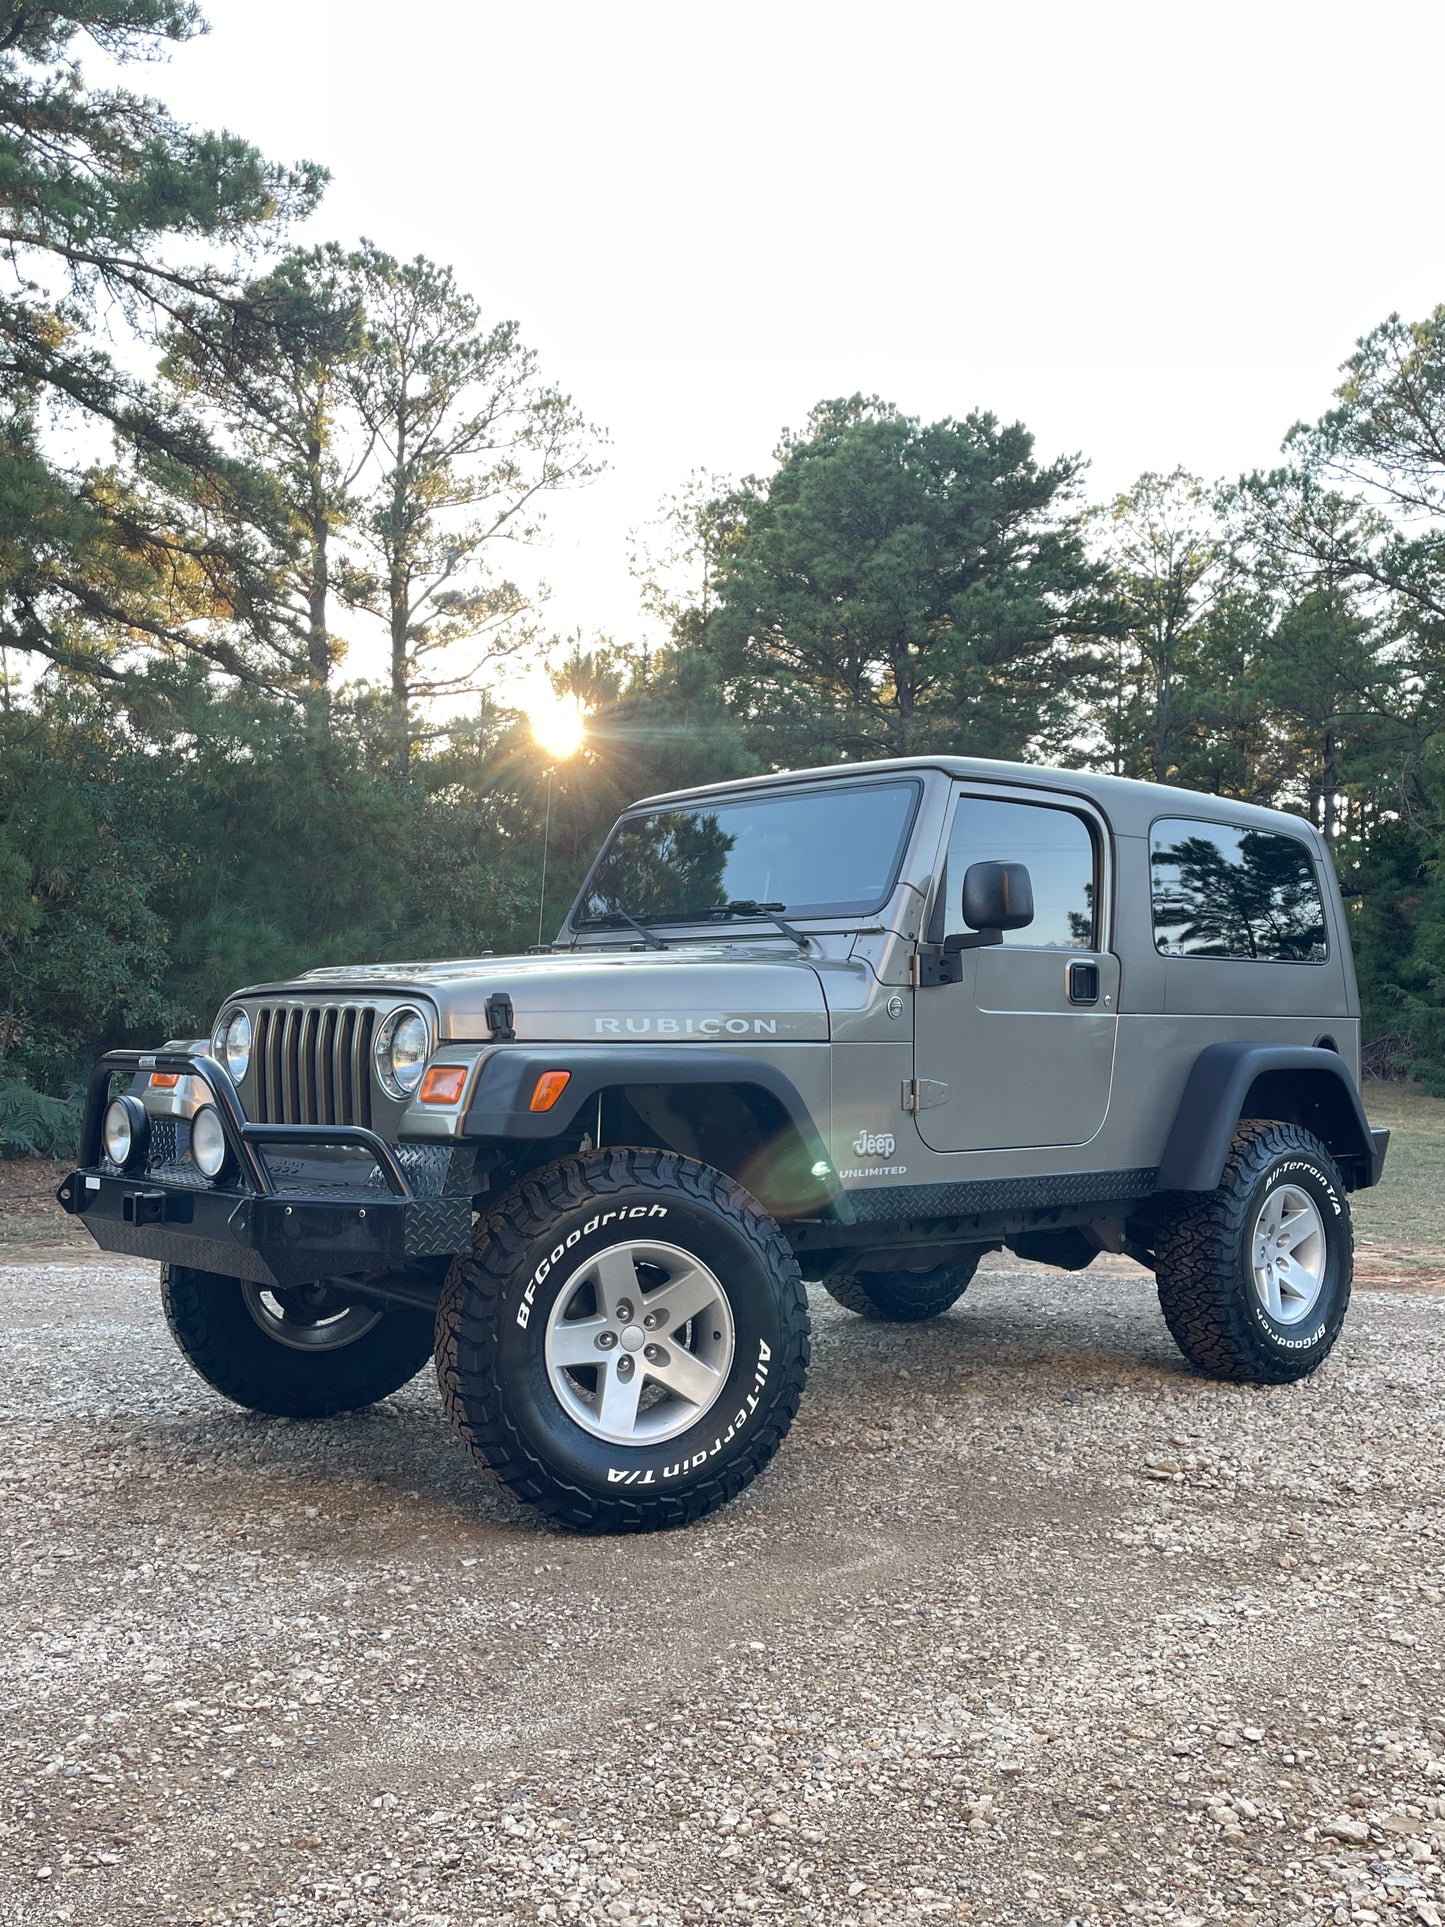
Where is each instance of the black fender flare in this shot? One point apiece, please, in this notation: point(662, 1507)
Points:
point(1322, 1095)
point(501, 1098)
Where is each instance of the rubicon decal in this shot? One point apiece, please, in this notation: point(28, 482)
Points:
point(686, 1026)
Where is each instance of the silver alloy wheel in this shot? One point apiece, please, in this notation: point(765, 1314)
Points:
point(1288, 1253)
point(308, 1319)
point(639, 1343)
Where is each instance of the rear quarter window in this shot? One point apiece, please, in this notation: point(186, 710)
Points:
point(1219, 891)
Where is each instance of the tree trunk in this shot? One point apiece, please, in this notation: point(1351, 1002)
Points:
point(398, 588)
point(905, 697)
point(318, 637)
point(400, 693)
point(1163, 706)
point(1328, 787)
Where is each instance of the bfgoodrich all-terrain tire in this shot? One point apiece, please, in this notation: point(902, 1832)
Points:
point(1254, 1278)
point(905, 1297)
point(625, 1345)
point(296, 1354)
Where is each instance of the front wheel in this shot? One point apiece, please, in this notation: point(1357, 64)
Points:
point(625, 1345)
point(306, 1352)
point(1254, 1278)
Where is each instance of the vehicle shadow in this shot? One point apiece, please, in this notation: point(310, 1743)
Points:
point(1006, 1325)
point(396, 1469)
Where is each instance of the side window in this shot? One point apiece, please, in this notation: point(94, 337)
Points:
point(1224, 892)
point(1058, 849)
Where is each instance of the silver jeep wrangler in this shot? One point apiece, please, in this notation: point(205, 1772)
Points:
point(859, 1025)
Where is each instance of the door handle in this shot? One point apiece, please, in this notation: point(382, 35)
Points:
point(1083, 983)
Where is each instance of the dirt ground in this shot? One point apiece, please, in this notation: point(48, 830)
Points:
point(1025, 1624)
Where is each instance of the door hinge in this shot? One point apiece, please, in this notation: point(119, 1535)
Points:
point(933, 964)
point(923, 1094)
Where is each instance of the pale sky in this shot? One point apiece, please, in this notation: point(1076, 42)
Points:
point(1151, 232)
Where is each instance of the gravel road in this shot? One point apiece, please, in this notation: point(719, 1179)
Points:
point(1025, 1623)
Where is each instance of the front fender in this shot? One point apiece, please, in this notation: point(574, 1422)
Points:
point(501, 1099)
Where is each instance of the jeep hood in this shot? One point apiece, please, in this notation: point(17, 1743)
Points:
point(712, 993)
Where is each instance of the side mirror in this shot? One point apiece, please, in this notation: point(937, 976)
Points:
point(996, 897)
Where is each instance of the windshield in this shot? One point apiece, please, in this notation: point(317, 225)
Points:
point(820, 853)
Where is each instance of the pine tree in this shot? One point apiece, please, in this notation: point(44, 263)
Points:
point(896, 585)
point(271, 367)
point(468, 442)
point(103, 199)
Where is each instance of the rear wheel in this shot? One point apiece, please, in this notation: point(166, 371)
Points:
point(305, 1352)
point(1254, 1278)
point(625, 1345)
point(903, 1297)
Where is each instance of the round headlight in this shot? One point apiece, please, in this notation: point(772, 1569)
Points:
point(232, 1043)
point(208, 1142)
point(125, 1132)
point(402, 1044)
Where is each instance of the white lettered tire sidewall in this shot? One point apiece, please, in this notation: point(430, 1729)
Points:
point(1204, 1260)
point(493, 1320)
point(550, 1263)
point(1316, 1331)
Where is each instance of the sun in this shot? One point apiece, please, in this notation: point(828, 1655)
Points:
point(557, 725)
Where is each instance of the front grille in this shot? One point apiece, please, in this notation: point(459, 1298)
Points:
point(311, 1063)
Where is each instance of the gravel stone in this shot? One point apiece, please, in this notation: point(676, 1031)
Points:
point(1026, 1624)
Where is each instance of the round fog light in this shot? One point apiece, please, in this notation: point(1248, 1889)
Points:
point(125, 1132)
point(208, 1142)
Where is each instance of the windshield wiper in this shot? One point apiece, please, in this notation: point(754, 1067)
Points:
point(746, 907)
point(649, 937)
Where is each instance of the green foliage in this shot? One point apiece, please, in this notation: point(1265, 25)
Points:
point(897, 586)
point(154, 857)
point(1169, 570)
point(270, 367)
point(468, 442)
point(208, 444)
point(105, 201)
point(33, 1125)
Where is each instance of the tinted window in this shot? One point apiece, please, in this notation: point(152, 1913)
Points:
point(1222, 892)
point(832, 852)
point(1059, 852)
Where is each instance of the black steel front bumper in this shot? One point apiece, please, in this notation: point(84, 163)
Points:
point(249, 1223)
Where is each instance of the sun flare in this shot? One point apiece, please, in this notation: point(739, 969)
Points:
point(557, 725)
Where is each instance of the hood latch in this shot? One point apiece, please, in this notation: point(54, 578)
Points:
point(499, 1015)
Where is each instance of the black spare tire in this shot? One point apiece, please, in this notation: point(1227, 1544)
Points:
point(903, 1297)
point(302, 1353)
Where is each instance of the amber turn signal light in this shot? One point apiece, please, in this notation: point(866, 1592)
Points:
point(550, 1086)
point(165, 1080)
point(443, 1083)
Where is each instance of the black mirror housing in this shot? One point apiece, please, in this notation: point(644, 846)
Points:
point(997, 896)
